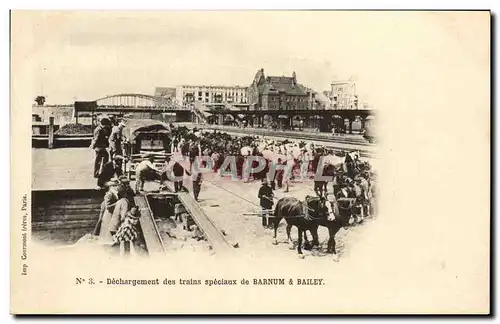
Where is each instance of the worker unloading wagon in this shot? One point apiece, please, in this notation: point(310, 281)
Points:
point(145, 171)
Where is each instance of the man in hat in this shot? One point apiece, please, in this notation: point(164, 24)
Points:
point(116, 140)
point(129, 192)
point(100, 143)
point(111, 169)
point(145, 171)
point(108, 203)
point(197, 179)
point(175, 168)
point(266, 196)
point(127, 232)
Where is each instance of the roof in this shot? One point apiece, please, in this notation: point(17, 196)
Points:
point(135, 126)
point(282, 84)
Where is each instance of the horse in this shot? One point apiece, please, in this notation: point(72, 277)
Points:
point(351, 161)
point(320, 186)
point(309, 215)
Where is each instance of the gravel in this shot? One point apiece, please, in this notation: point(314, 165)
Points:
point(74, 129)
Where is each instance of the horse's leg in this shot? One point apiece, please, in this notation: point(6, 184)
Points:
point(314, 234)
point(299, 243)
point(359, 217)
point(331, 242)
point(289, 236)
point(307, 244)
point(276, 222)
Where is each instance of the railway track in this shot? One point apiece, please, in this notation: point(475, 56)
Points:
point(219, 242)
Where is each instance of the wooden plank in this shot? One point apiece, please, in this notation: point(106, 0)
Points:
point(218, 241)
point(151, 234)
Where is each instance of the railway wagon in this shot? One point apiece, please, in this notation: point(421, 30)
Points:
point(144, 137)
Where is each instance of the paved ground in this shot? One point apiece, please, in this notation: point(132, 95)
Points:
point(225, 201)
point(65, 168)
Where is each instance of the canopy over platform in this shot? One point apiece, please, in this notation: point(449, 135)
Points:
point(134, 127)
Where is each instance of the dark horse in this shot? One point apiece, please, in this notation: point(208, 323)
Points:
point(309, 215)
point(332, 173)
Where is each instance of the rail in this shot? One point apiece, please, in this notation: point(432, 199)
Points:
point(216, 238)
point(152, 236)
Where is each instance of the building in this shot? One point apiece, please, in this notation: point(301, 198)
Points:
point(211, 95)
point(321, 100)
point(343, 95)
point(278, 93)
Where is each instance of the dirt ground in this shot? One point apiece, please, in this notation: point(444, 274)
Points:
point(230, 204)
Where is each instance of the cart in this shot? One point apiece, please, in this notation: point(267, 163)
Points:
point(145, 137)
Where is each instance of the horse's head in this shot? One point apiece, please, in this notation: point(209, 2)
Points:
point(329, 207)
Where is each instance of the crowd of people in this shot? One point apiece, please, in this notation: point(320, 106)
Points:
point(284, 161)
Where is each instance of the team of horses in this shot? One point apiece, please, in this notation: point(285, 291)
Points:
point(351, 200)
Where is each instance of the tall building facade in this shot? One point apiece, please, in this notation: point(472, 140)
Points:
point(209, 95)
point(279, 93)
point(343, 95)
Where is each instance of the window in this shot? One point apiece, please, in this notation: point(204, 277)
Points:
point(206, 94)
point(199, 93)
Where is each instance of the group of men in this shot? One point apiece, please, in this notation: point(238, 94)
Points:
point(107, 144)
point(119, 215)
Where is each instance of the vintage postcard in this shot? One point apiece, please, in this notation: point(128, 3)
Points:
point(250, 162)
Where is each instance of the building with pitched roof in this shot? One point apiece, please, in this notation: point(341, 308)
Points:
point(278, 93)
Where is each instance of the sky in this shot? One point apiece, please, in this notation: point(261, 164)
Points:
point(89, 55)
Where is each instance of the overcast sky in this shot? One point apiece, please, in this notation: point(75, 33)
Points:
point(85, 56)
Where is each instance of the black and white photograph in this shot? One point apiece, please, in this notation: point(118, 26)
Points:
point(203, 163)
point(190, 137)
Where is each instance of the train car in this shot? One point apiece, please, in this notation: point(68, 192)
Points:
point(144, 137)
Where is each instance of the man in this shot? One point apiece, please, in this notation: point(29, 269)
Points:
point(128, 232)
point(173, 167)
point(145, 171)
point(266, 196)
point(194, 152)
point(129, 192)
point(197, 180)
point(116, 140)
point(99, 144)
point(108, 204)
point(112, 169)
point(178, 171)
